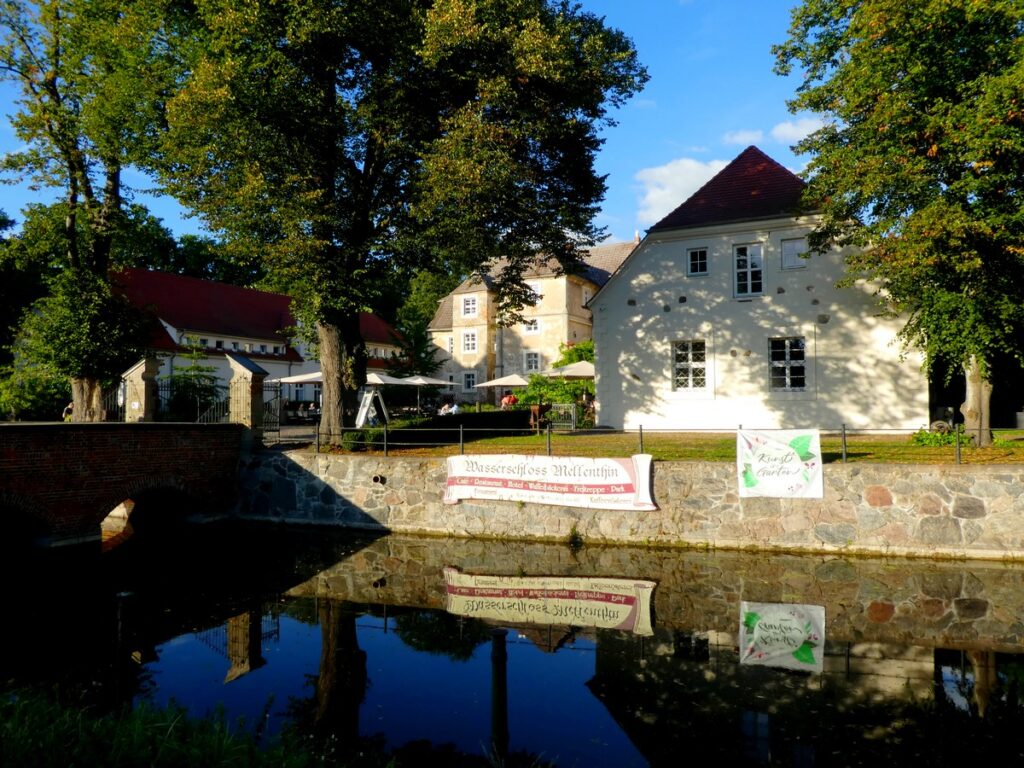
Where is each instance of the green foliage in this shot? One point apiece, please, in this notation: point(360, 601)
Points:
point(582, 351)
point(348, 144)
point(922, 159)
point(544, 389)
point(32, 393)
point(83, 330)
point(193, 388)
point(934, 438)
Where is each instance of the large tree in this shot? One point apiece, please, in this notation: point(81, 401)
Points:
point(921, 163)
point(85, 70)
point(342, 137)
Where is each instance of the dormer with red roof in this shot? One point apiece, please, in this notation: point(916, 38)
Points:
point(721, 317)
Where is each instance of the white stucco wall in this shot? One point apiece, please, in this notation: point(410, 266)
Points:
point(854, 374)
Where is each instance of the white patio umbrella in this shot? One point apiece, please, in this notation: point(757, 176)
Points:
point(301, 378)
point(582, 369)
point(377, 379)
point(424, 381)
point(512, 380)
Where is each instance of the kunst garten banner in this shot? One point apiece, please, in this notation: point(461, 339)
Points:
point(782, 635)
point(784, 463)
point(579, 601)
point(560, 480)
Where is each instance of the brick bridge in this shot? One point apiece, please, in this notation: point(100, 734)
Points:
point(59, 481)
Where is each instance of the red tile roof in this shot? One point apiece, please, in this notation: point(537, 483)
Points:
point(218, 309)
point(753, 186)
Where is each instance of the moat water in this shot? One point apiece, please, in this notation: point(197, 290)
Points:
point(465, 653)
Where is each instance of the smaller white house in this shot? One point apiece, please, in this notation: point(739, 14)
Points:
point(721, 318)
point(222, 318)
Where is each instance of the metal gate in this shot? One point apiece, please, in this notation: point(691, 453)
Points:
point(562, 416)
point(113, 402)
point(271, 411)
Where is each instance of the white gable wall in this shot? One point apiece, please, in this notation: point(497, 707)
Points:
point(852, 372)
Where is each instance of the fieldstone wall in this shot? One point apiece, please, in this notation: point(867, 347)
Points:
point(907, 510)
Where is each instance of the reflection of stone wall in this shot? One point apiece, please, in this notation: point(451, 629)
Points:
point(914, 602)
point(872, 509)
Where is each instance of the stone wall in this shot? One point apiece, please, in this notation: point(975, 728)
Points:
point(935, 511)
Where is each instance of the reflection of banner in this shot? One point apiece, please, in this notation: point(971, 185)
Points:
point(579, 602)
point(781, 635)
point(561, 480)
point(785, 463)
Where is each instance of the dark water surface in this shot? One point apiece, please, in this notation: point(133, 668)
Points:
point(359, 643)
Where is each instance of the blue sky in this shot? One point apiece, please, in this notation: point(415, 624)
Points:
point(711, 94)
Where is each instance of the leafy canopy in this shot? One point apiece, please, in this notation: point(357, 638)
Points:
point(922, 159)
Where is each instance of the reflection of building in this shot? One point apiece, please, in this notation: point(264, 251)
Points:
point(721, 317)
point(474, 348)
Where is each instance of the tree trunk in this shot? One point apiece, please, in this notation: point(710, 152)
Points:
point(977, 404)
point(343, 363)
point(87, 395)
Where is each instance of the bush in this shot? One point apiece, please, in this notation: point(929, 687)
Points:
point(929, 438)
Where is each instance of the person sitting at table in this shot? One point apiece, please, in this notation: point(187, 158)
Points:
point(508, 400)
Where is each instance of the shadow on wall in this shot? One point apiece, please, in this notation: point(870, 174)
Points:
point(842, 387)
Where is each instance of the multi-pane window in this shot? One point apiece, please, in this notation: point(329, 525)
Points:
point(697, 261)
point(469, 341)
point(792, 253)
point(535, 288)
point(749, 270)
point(219, 344)
point(469, 306)
point(689, 364)
point(531, 326)
point(451, 345)
point(468, 380)
point(787, 361)
point(532, 361)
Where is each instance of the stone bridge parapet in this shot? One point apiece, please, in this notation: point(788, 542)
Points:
point(63, 479)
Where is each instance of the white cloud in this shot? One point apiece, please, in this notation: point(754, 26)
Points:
point(745, 137)
point(790, 132)
point(667, 186)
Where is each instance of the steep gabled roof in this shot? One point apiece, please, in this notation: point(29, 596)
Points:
point(598, 265)
point(751, 187)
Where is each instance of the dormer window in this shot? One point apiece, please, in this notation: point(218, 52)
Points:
point(469, 306)
point(218, 344)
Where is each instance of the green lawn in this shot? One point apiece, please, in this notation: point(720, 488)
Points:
point(695, 446)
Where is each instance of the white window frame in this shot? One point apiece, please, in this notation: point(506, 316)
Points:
point(690, 360)
point(690, 254)
point(469, 306)
point(531, 326)
point(535, 286)
point(451, 344)
point(529, 356)
point(791, 250)
point(469, 341)
point(786, 354)
point(467, 377)
point(751, 274)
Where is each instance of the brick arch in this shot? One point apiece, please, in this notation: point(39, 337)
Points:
point(70, 476)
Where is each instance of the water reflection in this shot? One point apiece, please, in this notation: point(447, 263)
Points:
point(349, 641)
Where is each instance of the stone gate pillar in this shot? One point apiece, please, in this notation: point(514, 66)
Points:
point(141, 391)
point(246, 394)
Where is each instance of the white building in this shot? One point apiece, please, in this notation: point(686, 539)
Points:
point(720, 318)
point(474, 347)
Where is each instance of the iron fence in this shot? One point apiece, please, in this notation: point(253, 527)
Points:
point(177, 401)
point(839, 445)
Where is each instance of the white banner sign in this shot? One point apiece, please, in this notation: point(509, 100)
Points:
point(560, 480)
point(580, 602)
point(784, 463)
point(782, 635)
